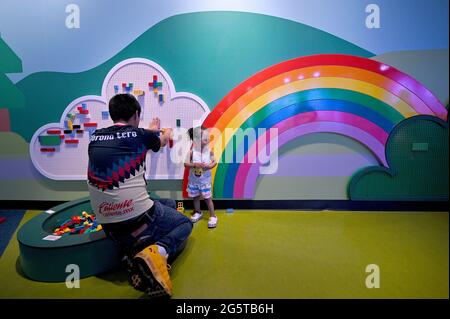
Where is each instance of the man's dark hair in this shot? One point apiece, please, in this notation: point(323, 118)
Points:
point(123, 107)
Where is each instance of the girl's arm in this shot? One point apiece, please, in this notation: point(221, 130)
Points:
point(213, 162)
point(188, 162)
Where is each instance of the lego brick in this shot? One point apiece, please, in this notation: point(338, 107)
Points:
point(138, 92)
point(67, 131)
point(178, 123)
point(48, 149)
point(90, 124)
point(62, 136)
point(49, 140)
point(84, 111)
point(105, 113)
point(155, 84)
point(71, 141)
point(155, 78)
point(76, 126)
point(161, 98)
point(124, 85)
point(54, 132)
point(80, 131)
point(84, 106)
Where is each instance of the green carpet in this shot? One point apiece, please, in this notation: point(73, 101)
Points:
point(283, 254)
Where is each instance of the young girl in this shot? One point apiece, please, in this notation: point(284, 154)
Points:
point(200, 161)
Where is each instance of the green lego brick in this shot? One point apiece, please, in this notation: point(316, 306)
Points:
point(49, 140)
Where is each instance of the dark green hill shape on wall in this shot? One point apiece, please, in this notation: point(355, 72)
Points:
point(206, 53)
point(10, 95)
point(417, 154)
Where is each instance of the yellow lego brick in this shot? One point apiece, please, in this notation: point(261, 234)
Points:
point(138, 92)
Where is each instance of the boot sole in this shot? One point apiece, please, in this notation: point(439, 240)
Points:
point(142, 279)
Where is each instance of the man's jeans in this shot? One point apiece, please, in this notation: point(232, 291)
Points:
point(165, 227)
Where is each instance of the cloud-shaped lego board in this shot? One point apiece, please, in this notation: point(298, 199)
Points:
point(60, 150)
point(417, 154)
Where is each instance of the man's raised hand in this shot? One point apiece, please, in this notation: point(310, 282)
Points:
point(155, 125)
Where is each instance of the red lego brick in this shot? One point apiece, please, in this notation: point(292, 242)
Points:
point(71, 141)
point(54, 132)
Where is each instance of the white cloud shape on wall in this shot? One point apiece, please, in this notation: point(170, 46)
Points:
point(69, 161)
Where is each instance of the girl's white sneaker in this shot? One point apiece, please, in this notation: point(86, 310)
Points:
point(212, 222)
point(196, 217)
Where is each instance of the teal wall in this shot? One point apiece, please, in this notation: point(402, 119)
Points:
point(207, 54)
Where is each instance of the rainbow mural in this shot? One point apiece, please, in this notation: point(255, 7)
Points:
point(357, 97)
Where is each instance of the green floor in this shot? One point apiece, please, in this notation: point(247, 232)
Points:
point(283, 254)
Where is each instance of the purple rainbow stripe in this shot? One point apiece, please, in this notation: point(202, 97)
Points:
point(248, 172)
point(339, 117)
point(325, 165)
